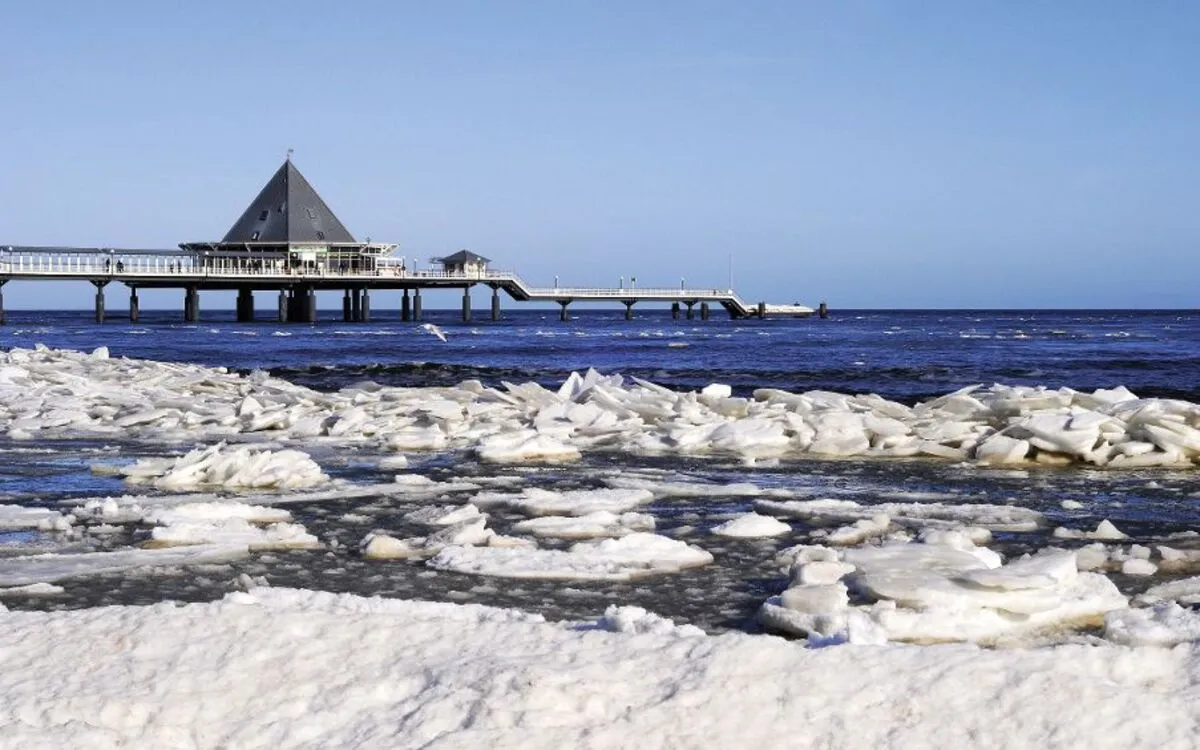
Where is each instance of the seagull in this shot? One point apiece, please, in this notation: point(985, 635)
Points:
point(434, 330)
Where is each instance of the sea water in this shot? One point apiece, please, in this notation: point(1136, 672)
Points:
point(906, 356)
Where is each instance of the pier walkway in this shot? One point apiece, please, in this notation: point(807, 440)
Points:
point(298, 282)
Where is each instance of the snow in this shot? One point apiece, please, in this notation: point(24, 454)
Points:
point(402, 673)
point(380, 673)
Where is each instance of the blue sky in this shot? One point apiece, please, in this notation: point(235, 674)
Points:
point(872, 154)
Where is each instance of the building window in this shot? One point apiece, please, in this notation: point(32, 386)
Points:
point(263, 216)
point(320, 235)
point(253, 236)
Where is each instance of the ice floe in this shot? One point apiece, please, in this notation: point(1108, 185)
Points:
point(751, 526)
point(941, 589)
point(1166, 624)
point(601, 523)
point(43, 519)
point(633, 556)
point(229, 531)
point(49, 568)
point(536, 501)
point(228, 468)
point(49, 393)
point(1011, 518)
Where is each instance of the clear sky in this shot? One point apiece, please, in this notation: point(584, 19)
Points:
point(872, 154)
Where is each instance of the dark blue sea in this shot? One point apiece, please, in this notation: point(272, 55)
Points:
point(902, 355)
point(907, 356)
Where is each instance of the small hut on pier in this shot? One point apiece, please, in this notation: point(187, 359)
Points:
point(464, 263)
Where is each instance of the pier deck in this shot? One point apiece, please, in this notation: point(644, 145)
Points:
point(158, 269)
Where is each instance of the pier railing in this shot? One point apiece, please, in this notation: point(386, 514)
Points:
point(134, 266)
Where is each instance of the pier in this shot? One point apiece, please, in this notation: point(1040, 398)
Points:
point(288, 243)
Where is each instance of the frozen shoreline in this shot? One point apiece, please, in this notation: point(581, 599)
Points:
point(291, 668)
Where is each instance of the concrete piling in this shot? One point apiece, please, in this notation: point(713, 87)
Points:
point(99, 300)
point(191, 305)
point(245, 305)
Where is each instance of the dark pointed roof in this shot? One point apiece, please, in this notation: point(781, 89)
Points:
point(464, 256)
point(288, 210)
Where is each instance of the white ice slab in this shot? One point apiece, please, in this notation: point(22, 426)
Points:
point(627, 558)
point(924, 515)
point(592, 525)
point(535, 501)
point(18, 517)
point(1165, 625)
point(20, 571)
point(229, 468)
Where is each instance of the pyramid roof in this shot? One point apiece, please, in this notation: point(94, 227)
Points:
point(286, 211)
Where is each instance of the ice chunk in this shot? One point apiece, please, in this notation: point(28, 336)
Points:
point(20, 571)
point(1165, 625)
point(599, 524)
point(44, 519)
point(526, 446)
point(632, 556)
point(637, 620)
point(444, 515)
point(751, 526)
point(537, 501)
point(384, 547)
point(229, 468)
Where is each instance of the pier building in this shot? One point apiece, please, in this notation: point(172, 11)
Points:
point(289, 242)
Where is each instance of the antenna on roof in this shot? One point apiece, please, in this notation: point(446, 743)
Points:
point(289, 153)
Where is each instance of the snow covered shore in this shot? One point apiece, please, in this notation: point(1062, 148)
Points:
point(288, 668)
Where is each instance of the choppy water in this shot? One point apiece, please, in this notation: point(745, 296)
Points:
point(907, 356)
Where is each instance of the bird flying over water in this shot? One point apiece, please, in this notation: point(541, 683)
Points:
point(434, 330)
